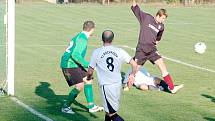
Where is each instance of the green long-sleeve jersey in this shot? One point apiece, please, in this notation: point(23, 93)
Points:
point(74, 56)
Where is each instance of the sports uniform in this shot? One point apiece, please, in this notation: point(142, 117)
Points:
point(73, 63)
point(150, 32)
point(142, 77)
point(107, 61)
point(73, 66)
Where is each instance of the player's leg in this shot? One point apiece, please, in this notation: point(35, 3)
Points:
point(114, 117)
point(72, 78)
point(111, 96)
point(166, 76)
point(161, 84)
point(140, 58)
point(88, 92)
point(156, 58)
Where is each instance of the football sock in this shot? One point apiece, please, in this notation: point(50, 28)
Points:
point(116, 117)
point(164, 85)
point(88, 91)
point(169, 81)
point(71, 97)
point(107, 118)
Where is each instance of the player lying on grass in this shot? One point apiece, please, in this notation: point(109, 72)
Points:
point(144, 81)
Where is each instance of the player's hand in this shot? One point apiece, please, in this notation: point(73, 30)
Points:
point(134, 3)
point(130, 80)
point(157, 42)
point(87, 81)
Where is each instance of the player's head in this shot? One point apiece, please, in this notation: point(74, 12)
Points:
point(161, 15)
point(89, 26)
point(107, 36)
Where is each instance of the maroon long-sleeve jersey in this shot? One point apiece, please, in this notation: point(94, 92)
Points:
point(150, 30)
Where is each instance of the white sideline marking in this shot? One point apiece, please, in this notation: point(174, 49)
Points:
point(130, 23)
point(33, 111)
point(125, 46)
point(178, 61)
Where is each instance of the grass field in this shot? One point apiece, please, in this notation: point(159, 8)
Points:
point(42, 34)
point(2, 42)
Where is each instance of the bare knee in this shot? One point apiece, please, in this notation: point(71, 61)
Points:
point(144, 87)
point(80, 86)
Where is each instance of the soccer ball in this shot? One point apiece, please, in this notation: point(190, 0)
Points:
point(200, 47)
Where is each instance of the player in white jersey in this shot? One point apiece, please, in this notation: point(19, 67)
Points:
point(107, 61)
point(144, 81)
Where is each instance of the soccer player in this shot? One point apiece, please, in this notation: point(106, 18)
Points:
point(151, 30)
point(144, 81)
point(73, 66)
point(107, 61)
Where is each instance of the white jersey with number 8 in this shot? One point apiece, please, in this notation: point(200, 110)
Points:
point(107, 61)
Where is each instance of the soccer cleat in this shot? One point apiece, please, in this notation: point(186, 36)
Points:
point(96, 108)
point(176, 88)
point(125, 88)
point(67, 110)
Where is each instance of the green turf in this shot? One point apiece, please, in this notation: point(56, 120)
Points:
point(42, 34)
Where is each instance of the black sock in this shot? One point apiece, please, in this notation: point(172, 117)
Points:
point(116, 117)
point(107, 118)
point(164, 85)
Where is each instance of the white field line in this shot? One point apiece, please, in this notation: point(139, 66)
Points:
point(130, 23)
point(33, 111)
point(178, 61)
point(125, 46)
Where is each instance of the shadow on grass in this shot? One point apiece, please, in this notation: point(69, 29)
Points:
point(55, 103)
point(209, 119)
point(210, 97)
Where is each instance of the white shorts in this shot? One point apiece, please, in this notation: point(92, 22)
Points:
point(111, 97)
point(141, 78)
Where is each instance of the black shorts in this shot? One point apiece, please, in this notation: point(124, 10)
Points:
point(141, 57)
point(74, 75)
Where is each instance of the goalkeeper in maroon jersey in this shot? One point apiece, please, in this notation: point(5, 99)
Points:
point(73, 66)
point(151, 30)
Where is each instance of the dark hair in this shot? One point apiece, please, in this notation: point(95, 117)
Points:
point(107, 36)
point(162, 12)
point(88, 25)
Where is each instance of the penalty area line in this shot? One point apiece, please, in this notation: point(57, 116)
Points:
point(178, 61)
point(33, 111)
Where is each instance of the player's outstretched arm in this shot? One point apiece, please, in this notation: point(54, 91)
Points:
point(132, 74)
point(140, 15)
point(89, 77)
point(134, 3)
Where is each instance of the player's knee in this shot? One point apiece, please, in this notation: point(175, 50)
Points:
point(88, 82)
point(144, 87)
point(110, 114)
point(80, 86)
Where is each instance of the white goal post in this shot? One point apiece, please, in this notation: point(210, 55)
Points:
point(10, 36)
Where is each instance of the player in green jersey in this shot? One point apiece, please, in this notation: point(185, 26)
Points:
point(74, 66)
